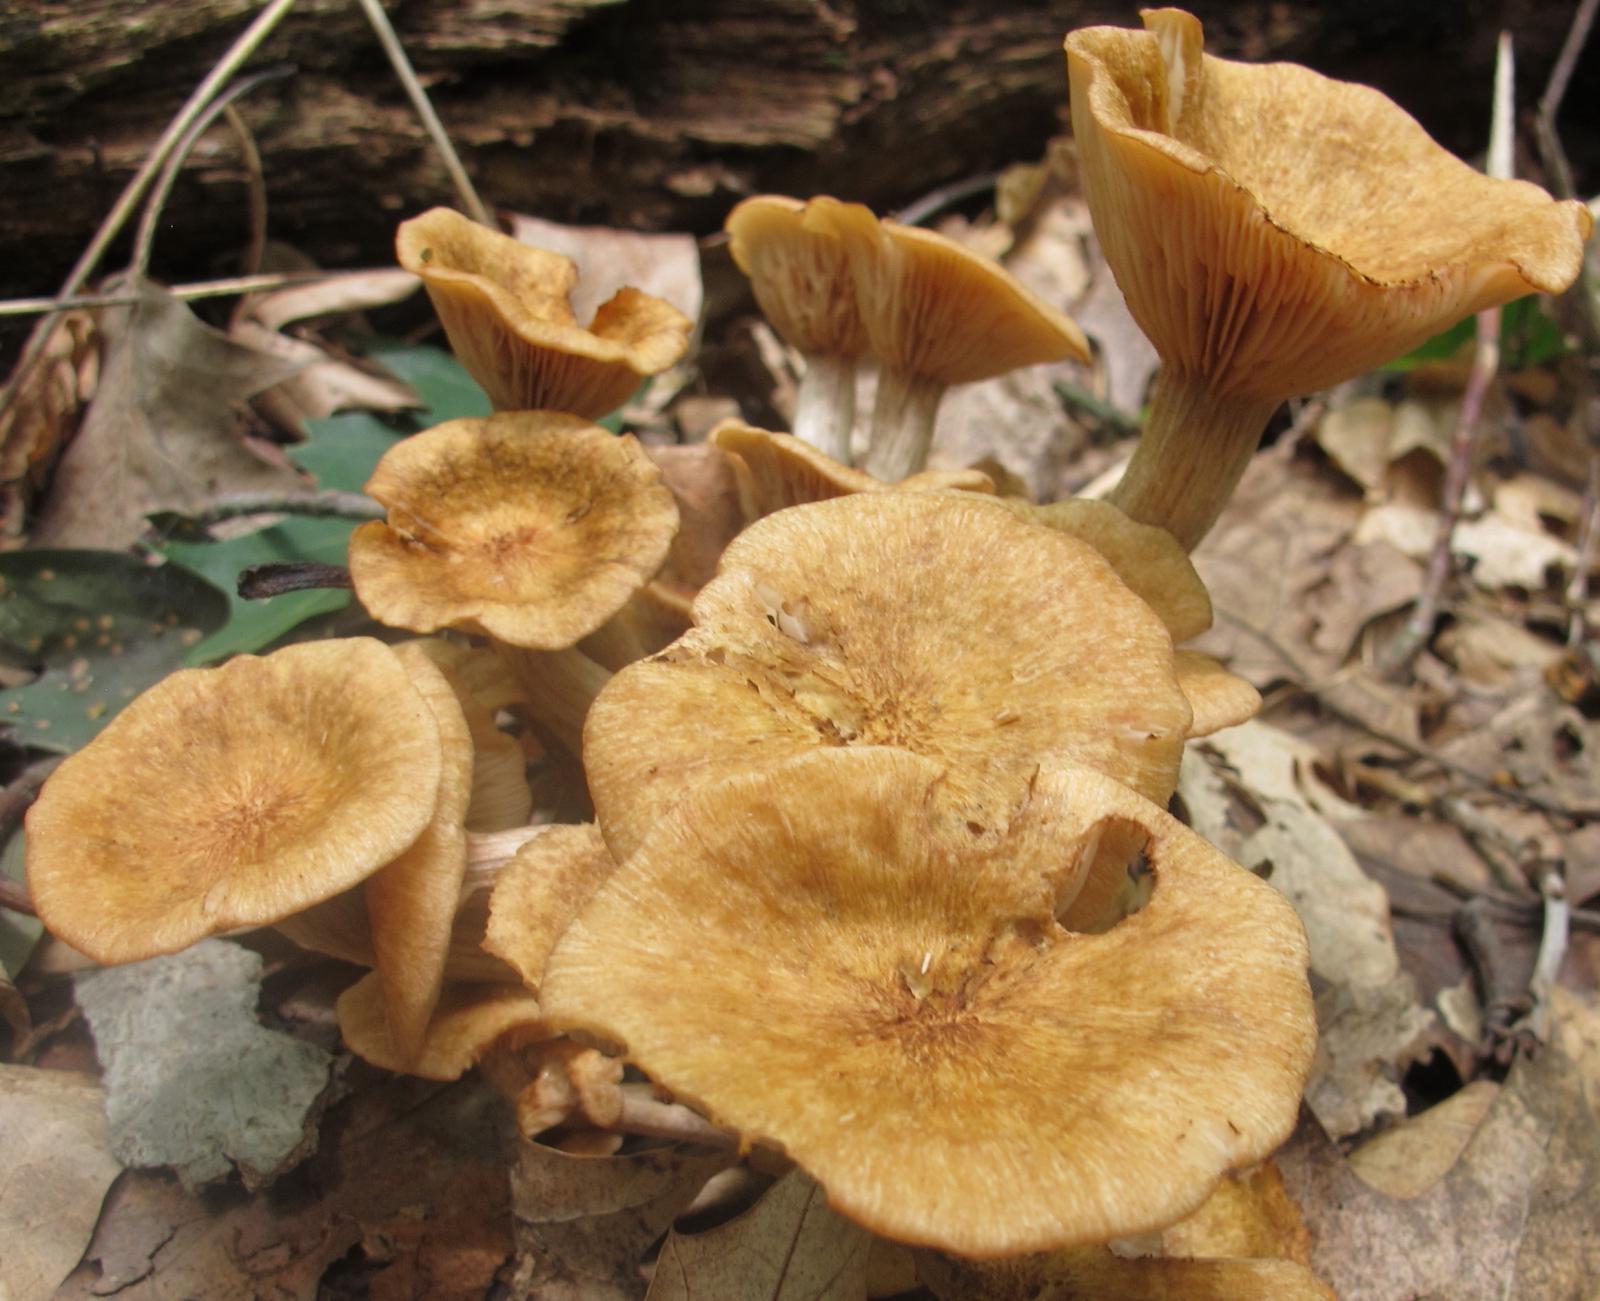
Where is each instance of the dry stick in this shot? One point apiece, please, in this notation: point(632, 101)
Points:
point(258, 582)
point(14, 802)
point(1485, 365)
point(1552, 949)
point(430, 120)
point(145, 240)
point(238, 53)
point(328, 504)
point(1504, 1000)
point(256, 188)
point(1556, 166)
point(196, 289)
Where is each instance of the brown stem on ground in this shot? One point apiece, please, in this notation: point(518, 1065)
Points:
point(258, 582)
point(1441, 564)
point(1505, 998)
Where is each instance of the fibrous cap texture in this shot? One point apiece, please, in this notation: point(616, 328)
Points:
point(507, 310)
point(533, 527)
point(232, 797)
point(821, 958)
point(928, 621)
point(1277, 232)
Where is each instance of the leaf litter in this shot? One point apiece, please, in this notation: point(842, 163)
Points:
point(1485, 1193)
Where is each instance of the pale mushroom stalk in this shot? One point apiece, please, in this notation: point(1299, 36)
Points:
point(1191, 455)
point(902, 424)
point(825, 405)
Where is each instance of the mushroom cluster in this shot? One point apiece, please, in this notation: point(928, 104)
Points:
point(868, 861)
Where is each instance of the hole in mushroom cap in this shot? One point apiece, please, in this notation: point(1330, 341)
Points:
point(1119, 881)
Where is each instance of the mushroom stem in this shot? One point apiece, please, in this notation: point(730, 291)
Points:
point(825, 406)
point(1194, 449)
point(902, 424)
point(560, 686)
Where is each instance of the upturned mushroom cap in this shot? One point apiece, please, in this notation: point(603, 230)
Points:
point(1278, 232)
point(819, 958)
point(937, 310)
point(1148, 559)
point(932, 622)
point(799, 274)
point(533, 527)
point(411, 902)
point(232, 797)
point(507, 310)
point(775, 471)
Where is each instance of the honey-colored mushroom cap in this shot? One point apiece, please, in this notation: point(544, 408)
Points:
point(818, 957)
point(232, 797)
point(533, 527)
point(933, 622)
point(507, 310)
point(468, 1020)
point(1279, 231)
point(1276, 232)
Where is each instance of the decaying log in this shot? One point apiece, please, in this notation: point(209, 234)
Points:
point(652, 113)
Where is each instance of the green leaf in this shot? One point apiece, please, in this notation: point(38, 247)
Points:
point(18, 933)
point(1529, 336)
point(444, 386)
point(254, 625)
point(103, 626)
point(342, 450)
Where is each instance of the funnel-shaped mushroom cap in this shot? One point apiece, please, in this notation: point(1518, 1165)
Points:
point(932, 622)
point(937, 310)
point(819, 959)
point(1277, 232)
point(800, 275)
point(469, 1020)
point(232, 797)
point(533, 527)
point(776, 471)
point(507, 310)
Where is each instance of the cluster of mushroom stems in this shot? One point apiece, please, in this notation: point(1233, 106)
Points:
point(879, 874)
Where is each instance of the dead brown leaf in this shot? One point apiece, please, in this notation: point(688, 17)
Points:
point(583, 1224)
point(787, 1247)
point(323, 382)
point(56, 1170)
point(162, 433)
point(44, 413)
point(1513, 1217)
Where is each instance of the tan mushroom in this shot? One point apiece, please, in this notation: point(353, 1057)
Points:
point(936, 314)
point(233, 797)
point(507, 310)
point(467, 1022)
point(775, 471)
point(820, 958)
point(540, 892)
point(1276, 232)
point(532, 527)
point(933, 622)
point(801, 278)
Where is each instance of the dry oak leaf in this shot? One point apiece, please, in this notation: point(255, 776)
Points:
point(162, 431)
point(787, 1247)
point(1515, 1216)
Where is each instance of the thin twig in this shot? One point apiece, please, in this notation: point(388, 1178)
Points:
point(157, 202)
point(328, 504)
point(647, 1116)
point(259, 582)
point(255, 189)
point(424, 107)
point(15, 798)
point(1504, 999)
point(194, 290)
point(1555, 157)
point(128, 201)
point(936, 201)
point(1552, 949)
point(14, 897)
point(1485, 365)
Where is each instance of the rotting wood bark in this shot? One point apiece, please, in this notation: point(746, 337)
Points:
point(647, 113)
